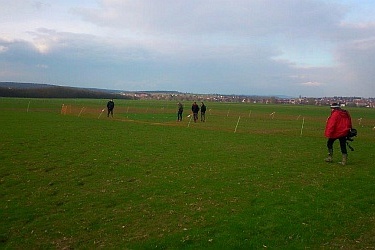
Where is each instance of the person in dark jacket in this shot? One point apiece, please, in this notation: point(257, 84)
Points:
point(180, 109)
point(195, 110)
point(337, 127)
point(203, 112)
point(110, 107)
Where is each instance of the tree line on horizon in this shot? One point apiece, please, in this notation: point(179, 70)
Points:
point(52, 91)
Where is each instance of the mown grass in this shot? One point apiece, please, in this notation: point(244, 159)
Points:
point(144, 181)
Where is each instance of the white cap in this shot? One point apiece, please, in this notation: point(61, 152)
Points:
point(335, 105)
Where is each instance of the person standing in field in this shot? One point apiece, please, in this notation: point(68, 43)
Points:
point(337, 127)
point(195, 110)
point(203, 112)
point(110, 107)
point(180, 110)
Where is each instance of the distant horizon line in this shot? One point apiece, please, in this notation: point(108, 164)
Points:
point(34, 84)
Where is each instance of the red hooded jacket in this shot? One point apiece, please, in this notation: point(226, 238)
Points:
point(338, 124)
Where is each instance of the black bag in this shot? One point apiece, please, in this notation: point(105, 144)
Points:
point(352, 133)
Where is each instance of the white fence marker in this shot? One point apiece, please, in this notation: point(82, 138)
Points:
point(303, 122)
point(235, 130)
point(191, 116)
point(82, 109)
point(28, 106)
point(101, 113)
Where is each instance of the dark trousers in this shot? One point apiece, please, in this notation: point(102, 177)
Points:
point(342, 144)
point(110, 111)
point(203, 116)
point(195, 115)
point(179, 116)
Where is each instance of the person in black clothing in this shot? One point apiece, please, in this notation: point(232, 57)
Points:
point(203, 112)
point(195, 109)
point(179, 111)
point(110, 107)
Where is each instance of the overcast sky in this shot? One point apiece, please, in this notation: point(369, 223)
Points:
point(311, 48)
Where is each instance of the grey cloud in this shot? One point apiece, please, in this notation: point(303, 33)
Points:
point(18, 9)
point(295, 17)
point(92, 62)
point(218, 46)
point(358, 60)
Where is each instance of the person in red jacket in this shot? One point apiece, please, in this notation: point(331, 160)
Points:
point(338, 125)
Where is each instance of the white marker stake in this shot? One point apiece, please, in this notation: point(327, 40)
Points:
point(228, 112)
point(249, 113)
point(101, 113)
point(235, 130)
point(190, 119)
point(303, 122)
point(81, 111)
point(28, 106)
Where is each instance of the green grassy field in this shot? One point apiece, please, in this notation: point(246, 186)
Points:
point(245, 179)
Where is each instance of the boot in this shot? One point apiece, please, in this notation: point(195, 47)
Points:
point(330, 155)
point(344, 159)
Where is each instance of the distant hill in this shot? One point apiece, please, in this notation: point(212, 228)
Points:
point(35, 90)
point(23, 85)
